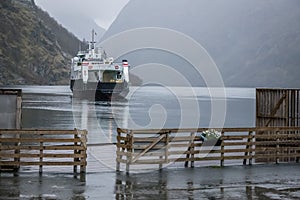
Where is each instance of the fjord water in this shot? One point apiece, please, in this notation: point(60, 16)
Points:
point(52, 107)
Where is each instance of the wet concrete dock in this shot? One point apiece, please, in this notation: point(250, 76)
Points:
point(234, 182)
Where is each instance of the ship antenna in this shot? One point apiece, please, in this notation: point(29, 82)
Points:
point(93, 39)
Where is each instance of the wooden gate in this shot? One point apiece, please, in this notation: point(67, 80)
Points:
point(277, 107)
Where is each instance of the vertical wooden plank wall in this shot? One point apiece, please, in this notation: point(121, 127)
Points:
point(11, 114)
point(275, 108)
point(12, 105)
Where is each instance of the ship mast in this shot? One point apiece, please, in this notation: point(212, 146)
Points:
point(93, 40)
point(91, 49)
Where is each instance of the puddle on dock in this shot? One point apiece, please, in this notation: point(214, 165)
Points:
point(242, 182)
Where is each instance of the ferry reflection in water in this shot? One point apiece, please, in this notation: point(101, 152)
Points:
point(101, 119)
point(157, 107)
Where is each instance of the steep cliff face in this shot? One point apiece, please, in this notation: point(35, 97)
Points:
point(254, 43)
point(34, 48)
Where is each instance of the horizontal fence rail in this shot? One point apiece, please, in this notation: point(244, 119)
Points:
point(166, 146)
point(43, 148)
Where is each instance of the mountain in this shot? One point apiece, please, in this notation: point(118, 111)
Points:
point(254, 43)
point(81, 25)
point(86, 25)
point(35, 49)
point(76, 15)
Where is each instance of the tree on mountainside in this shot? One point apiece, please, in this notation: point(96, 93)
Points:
point(6, 4)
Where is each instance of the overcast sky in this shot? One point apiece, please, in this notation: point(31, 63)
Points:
point(103, 12)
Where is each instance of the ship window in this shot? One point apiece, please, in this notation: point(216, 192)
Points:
point(119, 76)
point(109, 76)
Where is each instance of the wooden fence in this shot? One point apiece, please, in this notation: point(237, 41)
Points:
point(185, 145)
point(43, 148)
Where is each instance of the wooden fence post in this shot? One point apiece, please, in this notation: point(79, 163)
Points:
point(84, 145)
point(19, 112)
point(129, 150)
point(166, 150)
point(277, 150)
point(160, 165)
point(189, 151)
point(75, 152)
point(192, 149)
point(17, 152)
point(167, 147)
point(41, 154)
point(118, 148)
point(186, 164)
point(0, 151)
point(248, 147)
point(222, 149)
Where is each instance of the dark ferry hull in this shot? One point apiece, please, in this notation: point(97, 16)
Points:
point(99, 91)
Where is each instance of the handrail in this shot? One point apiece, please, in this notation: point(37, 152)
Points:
point(184, 130)
point(163, 146)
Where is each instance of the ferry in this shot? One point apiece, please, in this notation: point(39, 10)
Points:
point(96, 76)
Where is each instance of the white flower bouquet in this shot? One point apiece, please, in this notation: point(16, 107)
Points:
point(211, 135)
